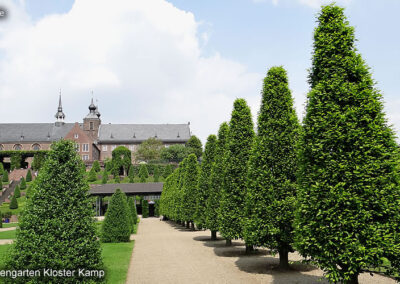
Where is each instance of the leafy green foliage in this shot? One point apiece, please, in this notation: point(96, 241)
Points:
point(92, 175)
point(156, 175)
point(174, 153)
point(217, 179)
point(104, 177)
point(5, 176)
point(145, 209)
point(118, 220)
point(38, 160)
point(271, 180)
point(17, 193)
point(157, 208)
point(23, 184)
point(66, 234)
point(167, 171)
point(348, 197)
point(96, 166)
point(132, 210)
point(194, 146)
point(143, 173)
point(1, 168)
point(16, 159)
point(121, 158)
point(14, 202)
point(204, 186)
point(131, 175)
point(29, 176)
point(190, 183)
point(149, 150)
point(233, 193)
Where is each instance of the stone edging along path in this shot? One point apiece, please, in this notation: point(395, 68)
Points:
point(165, 252)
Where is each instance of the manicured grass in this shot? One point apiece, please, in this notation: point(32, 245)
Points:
point(5, 207)
point(3, 253)
point(9, 225)
point(116, 258)
point(8, 235)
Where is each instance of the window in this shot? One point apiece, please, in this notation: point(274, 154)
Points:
point(131, 147)
point(113, 147)
point(91, 125)
point(85, 147)
point(18, 147)
point(36, 147)
point(77, 147)
point(85, 157)
point(76, 136)
point(104, 148)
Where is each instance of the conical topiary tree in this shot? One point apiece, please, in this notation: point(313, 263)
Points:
point(17, 192)
point(22, 184)
point(145, 208)
point(348, 198)
point(66, 233)
point(29, 176)
point(167, 171)
point(117, 222)
point(156, 174)
point(217, 181)
point(104, 177)
point(194, 146)
point(204, 186)
point(190, 183)
point(131, 175)
point(271, 181)
point(96, 166)
point(233, 193)
point(132, 209)
point(14, 202)
point(5, 176)
point(92, 175)
point(1, 168)
point(143, 173)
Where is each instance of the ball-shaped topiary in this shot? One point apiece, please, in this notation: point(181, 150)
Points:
point(116, 226)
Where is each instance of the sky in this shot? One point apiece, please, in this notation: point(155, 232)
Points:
point(175, 61)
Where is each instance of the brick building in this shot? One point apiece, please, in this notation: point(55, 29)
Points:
point(94, 140)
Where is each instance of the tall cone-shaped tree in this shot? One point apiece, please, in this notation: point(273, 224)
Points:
point(117, 222)
point(156, 175)
point(217, 181)
point(348, 197)
point(57, 228)
point(29, 176)
point(143, 173)
point(271, 189)
point(145, 208)
point(5, 176)
point(190, 182)
point(14, 202)
point(167, 171)
point(131, 175)
point(17, 192)
point(204, 185)
point(132, 209)
point(241, 134)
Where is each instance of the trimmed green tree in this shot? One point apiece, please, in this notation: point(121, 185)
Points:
point(217, 181)
point(157, 208)
point(194, 146)
point(156, 174)
point(17, 192)
point(14, 202)
point(143, 173)
point(167, 171)
point(117, 222)
point(131, 175)
point(271, 180)
point(92, 175)
point(232, 205)
point(149, 150)
point(1, 168)
point(29, 176)
point(104, 177)
point(23, 183)
point(145, 208)
point(348, 198)
point(190, 183)
point(204, 186)
point(174, 153)
point(132, 209)
point(66, 234)
point(121, 159)
point(5, 176)
point(96, 166)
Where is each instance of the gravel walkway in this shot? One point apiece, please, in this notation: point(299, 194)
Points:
point(168, 253)
point(6, 242)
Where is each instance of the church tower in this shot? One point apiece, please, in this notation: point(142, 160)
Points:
point(91, 122)
point(60, 116)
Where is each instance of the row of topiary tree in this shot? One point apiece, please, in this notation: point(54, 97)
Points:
point(329, 189)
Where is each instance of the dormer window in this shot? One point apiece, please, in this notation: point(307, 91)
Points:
point(76, 136)
point(36, 147)
point(18, 147)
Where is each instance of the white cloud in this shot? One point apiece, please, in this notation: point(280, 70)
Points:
point(315, 4)
point(143, 59)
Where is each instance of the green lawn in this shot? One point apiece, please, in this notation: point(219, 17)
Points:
point(3, 253)
point(9, 225)
point(8, 235)
point(5, 207)
point(116, 257)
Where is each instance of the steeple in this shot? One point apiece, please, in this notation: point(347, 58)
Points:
point(91, 122)
point(60, 116)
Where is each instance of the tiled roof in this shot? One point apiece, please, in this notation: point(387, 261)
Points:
point(32, 132)
point(128, 188)
point(109, 133)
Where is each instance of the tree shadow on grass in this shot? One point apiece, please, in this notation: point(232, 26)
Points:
point(258, 264)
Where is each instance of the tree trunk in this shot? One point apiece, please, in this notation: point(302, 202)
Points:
point(353, 279)
point(187, 225)
point(193, 227)
point(249, 248)
point(284, 259)
point(228, 243)
point(213, 235)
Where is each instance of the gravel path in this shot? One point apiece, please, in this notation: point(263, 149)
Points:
point(6, 242)
point(168, 253)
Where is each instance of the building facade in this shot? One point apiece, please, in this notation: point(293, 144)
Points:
point(94, 140)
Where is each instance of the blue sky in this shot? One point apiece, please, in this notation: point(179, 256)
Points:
point(255, 34)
